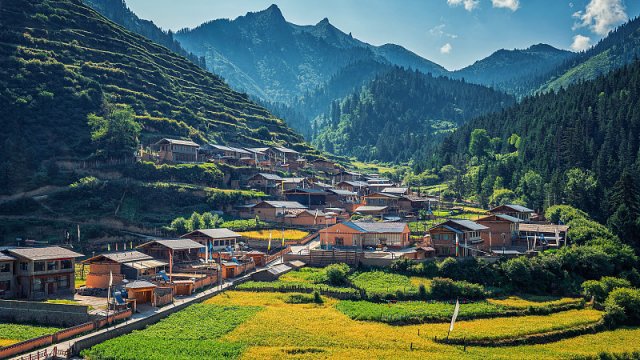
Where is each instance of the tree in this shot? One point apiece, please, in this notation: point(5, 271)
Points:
point(531, 189)
point(210, 221)
point(480, 143)
point(580, 189)
point(180, 225)
point(196, 221)
point(502, 196)
point(115, 134)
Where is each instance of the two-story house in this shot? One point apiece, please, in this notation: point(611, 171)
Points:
point(172, 150)
point(44, 272)
point(457, 237)
point(517, 211)
point(7, 280)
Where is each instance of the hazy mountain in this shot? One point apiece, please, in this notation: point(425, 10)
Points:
point(518, 72)
point(270, 58)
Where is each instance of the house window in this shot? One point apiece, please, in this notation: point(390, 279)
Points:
point(38, 285)
point(5, 286)
point(66, 264)
point(24, 266)
point(339, 241)
point(6, 267)
point(38, 266)
point(63, 282)
point(52, 265)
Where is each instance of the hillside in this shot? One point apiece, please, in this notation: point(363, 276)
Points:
point(578, 146)
point(61, 61)
point(401, 115)
point(276, 61)
point(118, 12)
point(620, 47)
point(517, 72)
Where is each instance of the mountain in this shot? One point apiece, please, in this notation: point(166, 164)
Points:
point(620, 47)
point(118, 12)
point(269, 58)
point(571, 146)
point(517, 72)
point(401, 115)
point(60, 61)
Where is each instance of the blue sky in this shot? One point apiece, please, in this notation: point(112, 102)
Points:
point(453, 33)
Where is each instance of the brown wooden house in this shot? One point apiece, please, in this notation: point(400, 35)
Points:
point(177, 151)
point(457, 238)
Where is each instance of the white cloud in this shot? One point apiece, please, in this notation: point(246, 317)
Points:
point(439, 32)
point(580, 43)
point(601, 16)
point(446, 48)
point(512, 5)
point(469, 5)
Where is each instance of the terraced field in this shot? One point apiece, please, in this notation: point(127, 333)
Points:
point(261, 325)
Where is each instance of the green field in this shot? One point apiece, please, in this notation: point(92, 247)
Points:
point(15, 333)
point(249, 325)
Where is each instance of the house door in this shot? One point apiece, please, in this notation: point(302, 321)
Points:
point(231, 272)
point(51, 289)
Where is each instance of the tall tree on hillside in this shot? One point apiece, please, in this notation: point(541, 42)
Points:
point(580, 189)
point(116, 134)
point(480, 143)
point(624, 207)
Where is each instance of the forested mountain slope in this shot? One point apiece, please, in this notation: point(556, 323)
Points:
point(401, 115)
point(60, 60)
point(620, 47)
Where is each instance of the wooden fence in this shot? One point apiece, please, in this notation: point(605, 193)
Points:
point(327, 257)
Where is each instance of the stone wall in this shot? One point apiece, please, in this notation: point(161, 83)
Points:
point(61, 315)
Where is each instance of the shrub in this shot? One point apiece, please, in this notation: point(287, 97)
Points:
point(447, 289)
point(623, 306)
point(317, 298)
point(600, 289)
point(303, 298)
point(337, 274)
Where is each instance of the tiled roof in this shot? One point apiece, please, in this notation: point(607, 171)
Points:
point(230, 148)
point(45, 253)
point(285, 150)
point(517, 208)
point(127, 256)
point(355, 183)
point(179, 142)
point(140, 284)
point(395, 190)
point(543, 228)
point(307, 191)
point(270, 176)
point(471, 225)
point(376, 227)
point(367, 208)
point(286, 204)
point(4, 257)
point(342, 192)
point(216, 233)
point(176, 244)
point(279, 269)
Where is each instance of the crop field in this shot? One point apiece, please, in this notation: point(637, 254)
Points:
point(276, 235)
point(15, 333)
point(378, 283)
point(534, 301)
point(248, 325)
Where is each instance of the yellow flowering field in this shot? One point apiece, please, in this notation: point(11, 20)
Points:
point(521, 303)
point(309, 331)
point(290, 235)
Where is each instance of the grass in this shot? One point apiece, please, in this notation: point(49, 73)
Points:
point(531, 301)
point(276, 235)
point(193, 333)
point(292, 286)
point(15, 333)
point(81, 275)
point(415, 312)
point(385, 285)
point(304, 275)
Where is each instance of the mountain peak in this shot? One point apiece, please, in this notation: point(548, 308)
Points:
point(272, 12)
point(324, 21)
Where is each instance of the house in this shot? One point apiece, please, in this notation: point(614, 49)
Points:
point(398, 191)
point(231, 155)
point(410, 203)
point(309, 218)
point(457, 237)
point(306, 196)
point(7, 280)
point(259, 258)
point(231, 269)
point(268, 183)
point(213, 239)
point(43, 272)
point(342, 198)
point(142, 291)
point(361, 235)
point(130, 265)
point(324, 165)
point(172, 150)
point(176, 252)
point(502, 231)
point(280, 155)
point(375, 211)
point(359, 187)
point(534, 235)
point(289, 183)
point(260, 156)
point(274, 211)
point(271, 274)
point(383, 199)
point(345, 175)
point(517, 211)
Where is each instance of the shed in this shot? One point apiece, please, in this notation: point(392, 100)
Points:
point(271, 273)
